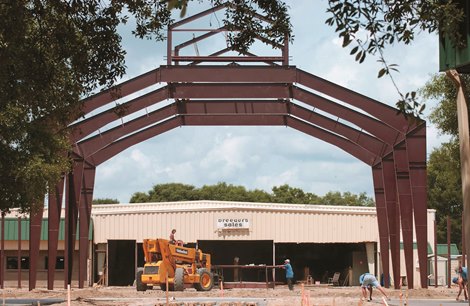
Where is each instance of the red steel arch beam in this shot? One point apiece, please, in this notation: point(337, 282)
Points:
point(90, 145)
point(121, 90)
point(87, 126)
point(116, 147)
point(97, 142)
point(366, 141)
point(377, 109)
point(362, 139)
point(373, 126)
point(251, 120)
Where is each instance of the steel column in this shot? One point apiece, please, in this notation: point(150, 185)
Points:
point(381, 211)
point(85, 216)
point(390, 187)
point(54, 212)
point(34, 239)
point(416, 149)
point(405, 201)
point(71, 216)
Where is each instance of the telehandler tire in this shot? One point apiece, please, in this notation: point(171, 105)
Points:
point(206, 280)
point(138, 281)
point(179, 279)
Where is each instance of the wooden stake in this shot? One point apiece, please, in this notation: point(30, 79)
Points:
point(68, 295)
point(166, 281)
point(385, 301)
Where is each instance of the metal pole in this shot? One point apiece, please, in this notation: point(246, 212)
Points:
point(2, 253)
point(169, 46)
point(448, 252)
point(435, 254)
point(19, 252)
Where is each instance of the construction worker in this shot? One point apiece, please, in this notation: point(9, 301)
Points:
point(462, 281)
point(172, 236)
point(289, 274)
point(368, 281)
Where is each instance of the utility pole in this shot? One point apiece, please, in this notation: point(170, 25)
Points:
point(462, 117)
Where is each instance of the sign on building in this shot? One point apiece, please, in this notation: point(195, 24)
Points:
point(233, 223)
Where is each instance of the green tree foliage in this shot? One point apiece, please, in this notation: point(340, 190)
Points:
point(288, 194)
point(227, 192)
point(347, 199)
point(55, 53)
point(222, 192)
point(445, 189)
point(105, 201)
point(370, 26)
point(52, 54)
point(441, 89)
point(444, 177)
point(166, 193)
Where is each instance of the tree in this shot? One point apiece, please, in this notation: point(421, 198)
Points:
point(53, 53)
point(347, 199)
point(166, 193)
point(56, 53)
point(228, 192)
point(223, 192)
point(105, 201)
point(288, 194)
point(373, 25)
point(445, 190)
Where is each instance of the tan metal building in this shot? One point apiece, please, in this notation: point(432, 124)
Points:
point(319, 240)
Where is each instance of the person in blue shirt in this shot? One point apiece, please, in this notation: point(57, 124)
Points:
point(289, 274)
point(462, 281)
point(368, 281)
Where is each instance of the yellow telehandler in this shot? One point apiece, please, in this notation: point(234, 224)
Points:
point(175, 265)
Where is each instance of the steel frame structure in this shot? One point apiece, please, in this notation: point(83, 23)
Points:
point(266, 94)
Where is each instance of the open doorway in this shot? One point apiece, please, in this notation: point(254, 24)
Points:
point(320, 260)
point(223, 252)
point(121, 262)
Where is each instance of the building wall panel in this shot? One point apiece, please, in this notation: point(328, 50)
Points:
point(198, 221)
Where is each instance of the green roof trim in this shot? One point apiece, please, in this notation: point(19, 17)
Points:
point(415, 246)
point(11, 229)
point(442, 249)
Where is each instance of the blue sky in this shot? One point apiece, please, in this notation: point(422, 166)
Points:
point(263, 157)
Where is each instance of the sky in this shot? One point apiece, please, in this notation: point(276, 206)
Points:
point(264, 157)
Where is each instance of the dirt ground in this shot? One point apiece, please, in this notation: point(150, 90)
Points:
point(128, 296)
